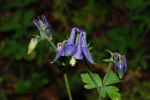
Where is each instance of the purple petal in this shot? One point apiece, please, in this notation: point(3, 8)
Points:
point(69, 49)
point(48, 32)
point(72, 35)
point(85, 49)
point(120, 66)
point(117, 64)
point(84, 43)
point(60, 52)
point(117, 67)
point(45, 21)
point(87, 55)
point(124, 65)
point(78, 54)
point(37, 24)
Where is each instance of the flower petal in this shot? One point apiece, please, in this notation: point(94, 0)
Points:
point(69, 49)
point(85, 49)
point(36, 24)
point(72, 35)
point(45, 21)
point(123, 64)
point(87, 55)
point(48, 32)
point(78, 54)
point(117, 64)
point(117, 67)
point(42, 25)
point(60, 52)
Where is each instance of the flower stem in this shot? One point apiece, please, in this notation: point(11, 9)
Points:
point(93, 79)
point(65, 75)
point(53, 45)
point(108, 71)
point(67, 86)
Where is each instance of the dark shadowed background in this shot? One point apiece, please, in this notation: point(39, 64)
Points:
point(118, 25)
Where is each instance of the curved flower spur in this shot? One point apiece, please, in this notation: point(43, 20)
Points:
point(76, 50)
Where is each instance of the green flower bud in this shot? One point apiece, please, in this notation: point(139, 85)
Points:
point(32, 45)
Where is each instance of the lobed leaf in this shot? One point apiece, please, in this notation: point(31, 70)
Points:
point(112, 92)
point(111, 78)
point(89, 83)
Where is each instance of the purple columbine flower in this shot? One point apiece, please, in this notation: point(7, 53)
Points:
point(120, 64)
point(43, 25)
point(77, 51)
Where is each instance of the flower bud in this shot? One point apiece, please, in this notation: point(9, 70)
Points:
point(120, 64)
point(32, 45)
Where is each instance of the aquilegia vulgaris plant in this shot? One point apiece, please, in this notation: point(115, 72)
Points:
point(76, 48)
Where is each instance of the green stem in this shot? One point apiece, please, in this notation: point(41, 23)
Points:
point(65, 75)
point(108, 71)
point(94, 81)
point(53, 45)
point(67, 86)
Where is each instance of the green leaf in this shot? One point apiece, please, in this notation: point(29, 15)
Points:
point(113, 93)
point(12, 23)
point(108, 60)
point(23, 86)
point(103, 92)
point(89, 83)
point(111, 78)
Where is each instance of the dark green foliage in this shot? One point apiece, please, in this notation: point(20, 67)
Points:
point(17, 27)
point(139, 91)
point(36, 82)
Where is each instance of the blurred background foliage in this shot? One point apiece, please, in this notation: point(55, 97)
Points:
point(118, 25)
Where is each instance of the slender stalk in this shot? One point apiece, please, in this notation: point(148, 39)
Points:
point(108, 71)
point(65, 75)
point(94, 81)
point(67, 86)
point(53, 45)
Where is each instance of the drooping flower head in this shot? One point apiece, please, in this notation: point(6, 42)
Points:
point(120, 64)
point(76, 50)
point(43, 26)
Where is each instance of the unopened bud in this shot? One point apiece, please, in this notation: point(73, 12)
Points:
point(120, 64)
point(32, 45)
